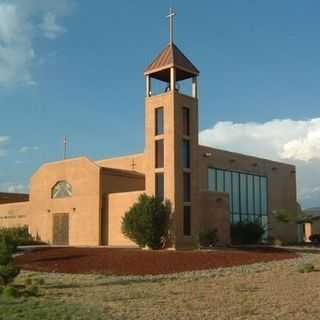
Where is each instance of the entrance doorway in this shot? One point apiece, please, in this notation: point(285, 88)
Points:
point(60, 229)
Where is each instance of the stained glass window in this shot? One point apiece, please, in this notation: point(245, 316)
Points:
point(61, 189)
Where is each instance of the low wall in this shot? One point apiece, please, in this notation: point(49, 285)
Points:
point(118, 204)
point(14, 214)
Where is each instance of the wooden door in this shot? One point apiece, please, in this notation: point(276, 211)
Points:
point(60, 229)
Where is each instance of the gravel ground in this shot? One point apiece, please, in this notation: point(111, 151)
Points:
point(273, 290)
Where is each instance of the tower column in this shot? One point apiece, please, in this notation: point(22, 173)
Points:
point(172, 79)
point(148, 86)
point(195, 87)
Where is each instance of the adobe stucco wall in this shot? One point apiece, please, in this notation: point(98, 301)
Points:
point(113, 181)
point(133, 162)
point(83, 207)
point(215, 214)
point(118, 204)
point(14, 214)
point(281, 183)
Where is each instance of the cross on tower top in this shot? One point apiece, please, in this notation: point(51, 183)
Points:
point(170, 16)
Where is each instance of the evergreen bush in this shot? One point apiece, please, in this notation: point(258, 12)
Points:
point(246, 233)
point(8, 270)
point(10, 292)
point(147, 222)
point(18, 236)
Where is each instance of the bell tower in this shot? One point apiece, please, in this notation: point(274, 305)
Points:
point(171, 138)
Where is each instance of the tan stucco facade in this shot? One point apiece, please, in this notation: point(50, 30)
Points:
point(98, 193)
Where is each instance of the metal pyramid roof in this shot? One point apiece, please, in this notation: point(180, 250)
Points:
point(171, 56)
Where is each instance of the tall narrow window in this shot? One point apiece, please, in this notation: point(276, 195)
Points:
point(187, 220)
point(159, 121)
point(220, 180)
point(186, 154)
point(235, 193)
point(159, 153)
point(186, 121)
point(212, 179)
point(263, 190)
point(250, 195)
point(243, 194)
point(257, 202)
point(186, 187)
point(228, 187)
point(160, 185)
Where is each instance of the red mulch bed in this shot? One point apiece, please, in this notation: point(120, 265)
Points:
point(140, 262)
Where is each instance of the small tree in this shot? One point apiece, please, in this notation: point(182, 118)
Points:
point(287, 216)
point(147, 222)
point(8, 269)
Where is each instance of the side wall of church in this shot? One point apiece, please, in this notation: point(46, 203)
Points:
point(83, 206)
point(281, 183)
point(14, 214)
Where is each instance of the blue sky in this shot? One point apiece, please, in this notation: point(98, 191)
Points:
point(75, 68)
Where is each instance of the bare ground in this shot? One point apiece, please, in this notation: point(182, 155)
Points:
point(273, 290)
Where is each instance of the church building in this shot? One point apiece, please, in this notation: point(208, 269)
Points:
point(81, 202)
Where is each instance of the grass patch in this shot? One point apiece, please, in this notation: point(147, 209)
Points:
point(306, 268)
point(45, 310)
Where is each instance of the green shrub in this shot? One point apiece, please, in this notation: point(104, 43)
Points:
point(6, 251)
point(18, 235)
point(38, 281)
point(246, 233)
point(8, 273)
point(32, 291)
point(146, 223)
point(28, 282)
point(8, 270)
point(10, 292)
point(208, 238)
point(306, 268)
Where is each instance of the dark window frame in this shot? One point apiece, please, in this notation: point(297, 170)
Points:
point(159, 121)
point(159, 185)
point(187, 221)
point(186, 154)
point(186, 121)
point(159, 153)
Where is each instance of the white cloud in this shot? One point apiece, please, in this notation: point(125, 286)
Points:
point(50, 27)
point(26, 149)
point(18, 31)
point(3, 142)
point(17, 188)
point(295, 142)
point(14, 187)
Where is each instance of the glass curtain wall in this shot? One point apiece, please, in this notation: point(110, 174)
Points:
point(247, 194)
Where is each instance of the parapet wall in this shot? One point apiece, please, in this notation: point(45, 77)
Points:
point(14, 214)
